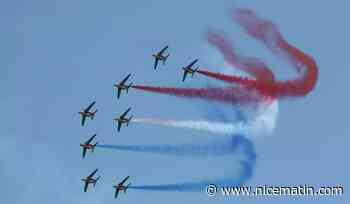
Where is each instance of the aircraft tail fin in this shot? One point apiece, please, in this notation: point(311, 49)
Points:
point(127, 124)
point(165, 58)
point(93, 147)
point(194, 71)
point(93, 114)
point(96, 180)
point(127, 88)
point(126, 187)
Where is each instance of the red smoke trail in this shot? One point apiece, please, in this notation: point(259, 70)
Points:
point(265, 88)
point(266, 32)
point(253, 66)
point(230, 95)
point(264, 85)
point(228, 78)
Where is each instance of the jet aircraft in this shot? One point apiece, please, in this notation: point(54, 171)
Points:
point(121, 187)
point(123, 119)
point(121, 86)
point(90, 180)
point(160, 57)
point(87, 145)
point(87, 113)
point(188, 70)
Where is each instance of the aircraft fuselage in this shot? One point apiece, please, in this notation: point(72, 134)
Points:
point(122, 86)
point(123, 120)
point(119, 188)
point(87, 114)
point(87, 146)
point(189, 70)
point(159, 57)
point(89, 180)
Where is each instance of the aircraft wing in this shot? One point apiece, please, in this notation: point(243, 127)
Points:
point(89, 107)
point(156, 63)
point(90, 139)
point(84, 152)
point(125, 113)
point(86, 186)
point(162, 51)
point(192, 63)
point(116, 193)
point(119, 126)
point(83, 118)
point(93, 173)
point(184, 76)
point(119, 91)
point(123, 181)
point(125, 79)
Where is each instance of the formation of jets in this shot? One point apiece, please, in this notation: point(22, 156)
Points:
point(160, 56)
point(91, 180)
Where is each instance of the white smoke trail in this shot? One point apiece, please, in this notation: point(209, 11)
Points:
point(211, 126)
point(263, 122)
point(265, 119)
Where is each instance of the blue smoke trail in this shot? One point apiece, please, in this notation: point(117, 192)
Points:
point(238, 144)
point(213, 148)
point(245, 173)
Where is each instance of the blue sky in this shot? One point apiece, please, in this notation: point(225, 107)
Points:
point(59, 56)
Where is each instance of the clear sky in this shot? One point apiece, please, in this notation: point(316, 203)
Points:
point(57, 56)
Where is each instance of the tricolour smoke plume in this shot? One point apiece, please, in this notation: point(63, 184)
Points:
point(261, 89)
point(262, 123)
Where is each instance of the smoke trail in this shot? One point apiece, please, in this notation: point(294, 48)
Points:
point(246, 171)
point(228, 95)
point(249, 91)
point(228, 78)
point(262, 123)
point(215, 148)
point(255, 67)
point(265, 84)
point(236, 145)
point(268, 33)
point(210, 126)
